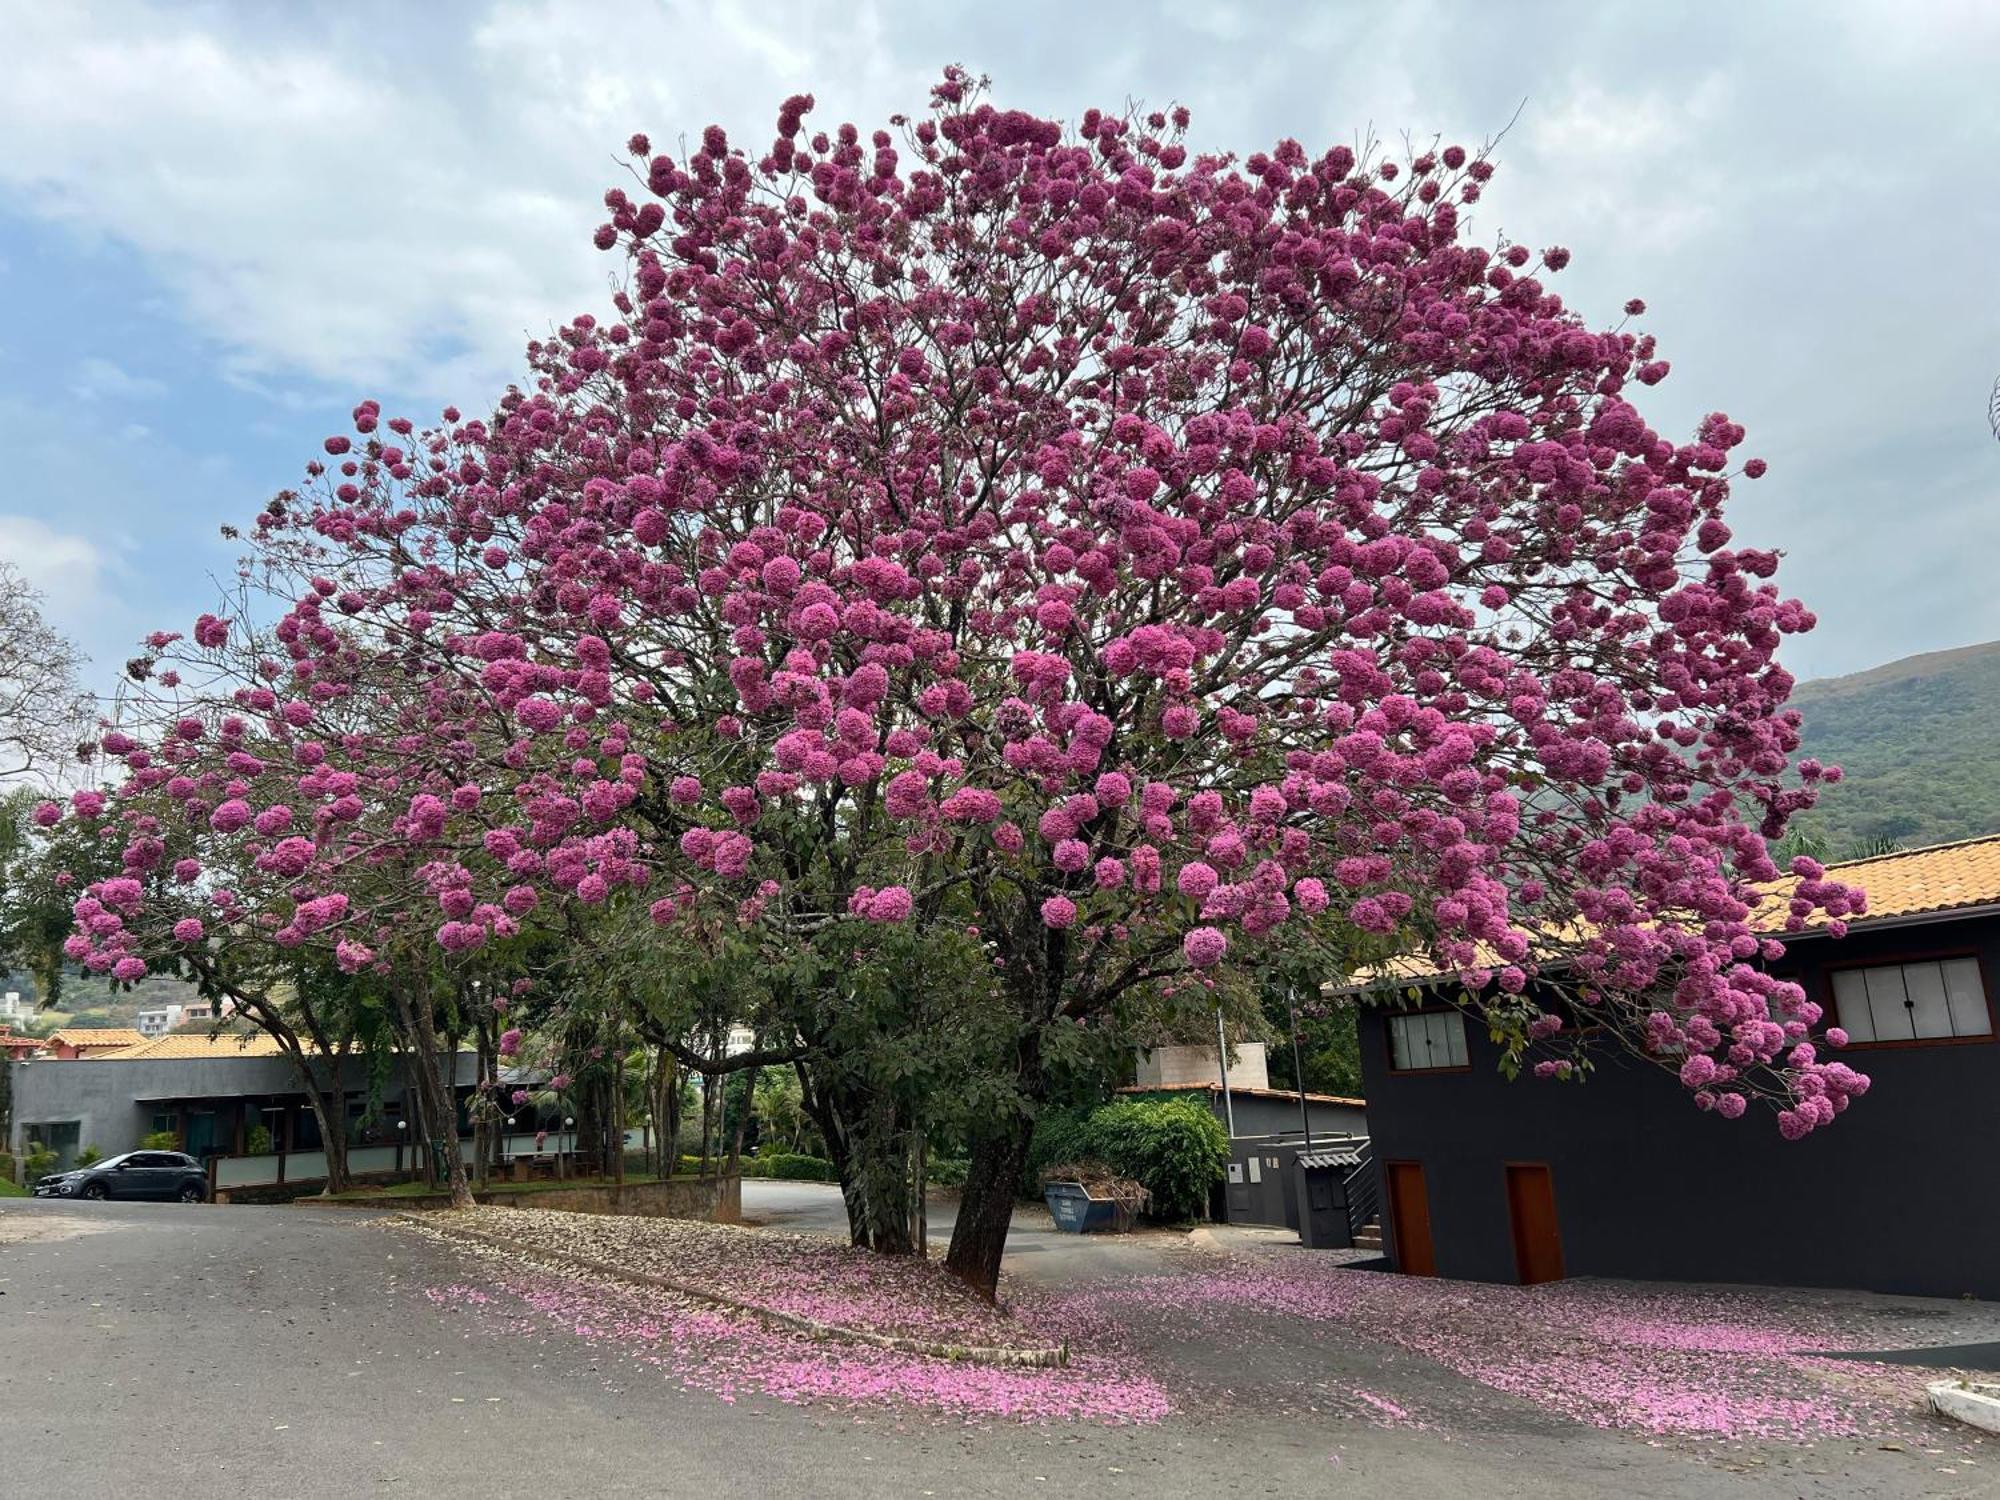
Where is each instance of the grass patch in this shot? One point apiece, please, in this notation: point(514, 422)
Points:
point(13, 1190)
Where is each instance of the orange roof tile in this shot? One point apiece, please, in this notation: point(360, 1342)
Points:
point(1910, 883)
point(107, 1036)
point(198, 1045)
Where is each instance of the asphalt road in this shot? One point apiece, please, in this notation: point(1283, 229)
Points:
point(195, 1352)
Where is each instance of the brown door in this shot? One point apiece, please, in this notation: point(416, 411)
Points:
point(1531, 1205)
point(1410, 1217)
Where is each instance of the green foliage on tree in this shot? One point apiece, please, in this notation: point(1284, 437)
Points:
point(89, 1156)
point(161, 1140)
point(34, 904)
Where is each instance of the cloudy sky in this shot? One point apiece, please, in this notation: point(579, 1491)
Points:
point(222, 225)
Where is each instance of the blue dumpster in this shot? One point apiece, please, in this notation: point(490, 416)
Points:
point(1076, 1212)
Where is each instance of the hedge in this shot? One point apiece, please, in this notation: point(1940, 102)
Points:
point(1174, 1147)
point(789, 1167)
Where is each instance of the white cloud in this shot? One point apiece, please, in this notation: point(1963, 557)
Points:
point(66, 567)
point(324, 207)
point(102, 380)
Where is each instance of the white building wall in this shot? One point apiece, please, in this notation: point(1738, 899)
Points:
point(1178, 1067)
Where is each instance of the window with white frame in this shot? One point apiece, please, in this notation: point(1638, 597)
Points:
point(1933, 1000)
point(1432, 1039)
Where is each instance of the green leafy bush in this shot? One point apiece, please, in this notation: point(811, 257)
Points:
point(1174, 1148)
point(257, 1141)
point(787, 1166)
point(7, 1167)
point(947, 1171)
point(89, 1156)
point(39, 1162)
point(161, 1140)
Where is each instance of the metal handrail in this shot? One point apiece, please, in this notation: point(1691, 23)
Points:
point(1364, 1189)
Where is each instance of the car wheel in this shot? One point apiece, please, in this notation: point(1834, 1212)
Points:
point(95, 1190)
point(193, 1194)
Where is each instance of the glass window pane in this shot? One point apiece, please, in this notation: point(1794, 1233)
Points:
point(1966, 990)
point(1886, 1001)
point(1850, 1005)
point(1930, 1013)
point(1455, 1056)
point(1399, 1041)
point(1434, 1042)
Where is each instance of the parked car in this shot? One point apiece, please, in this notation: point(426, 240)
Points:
point(165, 1175)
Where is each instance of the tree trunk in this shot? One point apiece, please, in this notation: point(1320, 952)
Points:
point(871, 1152)
point(330, 1117)
point(711, 1120)
point(618, 1109)
point(332, 1121)
point(433, 1097)
point(742, 1122)
point(334, 1134)
point(672, 1080)
point(986, 1206)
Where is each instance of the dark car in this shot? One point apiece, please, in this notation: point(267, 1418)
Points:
point(165, 1175)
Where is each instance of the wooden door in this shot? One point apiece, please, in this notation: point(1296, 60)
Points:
point(1410, 1218)
point(1531, 1205)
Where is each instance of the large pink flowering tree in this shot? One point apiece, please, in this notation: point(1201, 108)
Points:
point(1136, 551)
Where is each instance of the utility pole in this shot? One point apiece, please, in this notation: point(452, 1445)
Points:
point(1222, 1057)
point(1298, 1065)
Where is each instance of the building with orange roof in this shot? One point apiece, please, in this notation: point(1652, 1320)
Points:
point(1619, 1175)
point(79, 1041)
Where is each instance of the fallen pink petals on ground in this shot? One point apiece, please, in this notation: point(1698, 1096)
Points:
point(806, 1275)
point(1695, 1364)
point(731, 1356)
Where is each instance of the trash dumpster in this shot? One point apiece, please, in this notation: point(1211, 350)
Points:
point(1077, 1212)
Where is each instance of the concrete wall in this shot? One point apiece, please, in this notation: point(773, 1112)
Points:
point(719, 1200)
point(1172, 1067)
point(1901, 1194)
point(112, 1101)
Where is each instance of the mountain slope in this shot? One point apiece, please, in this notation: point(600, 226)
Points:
point(1919, 743)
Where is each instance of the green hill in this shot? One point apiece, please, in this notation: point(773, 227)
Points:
point(1918, 741)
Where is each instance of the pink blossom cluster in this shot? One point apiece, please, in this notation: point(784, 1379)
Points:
point(981, 508)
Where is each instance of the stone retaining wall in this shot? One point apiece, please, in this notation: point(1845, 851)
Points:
point(718, 1200)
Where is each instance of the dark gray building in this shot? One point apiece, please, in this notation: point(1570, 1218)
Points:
point(1620, 1176)
point(211, 1092)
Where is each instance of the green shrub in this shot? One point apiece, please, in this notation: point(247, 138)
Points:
point(947, 1171)
point(89, 1156)
point(1174, 1148)
point(7, 1169)
point(787, 1166)
point(39, 1162)
point(257, 1141)
point(161, 1140)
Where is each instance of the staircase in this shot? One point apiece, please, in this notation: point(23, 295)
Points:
point(1364, 1200)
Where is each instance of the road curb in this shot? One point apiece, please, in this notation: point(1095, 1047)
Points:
point(1046, 1358)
